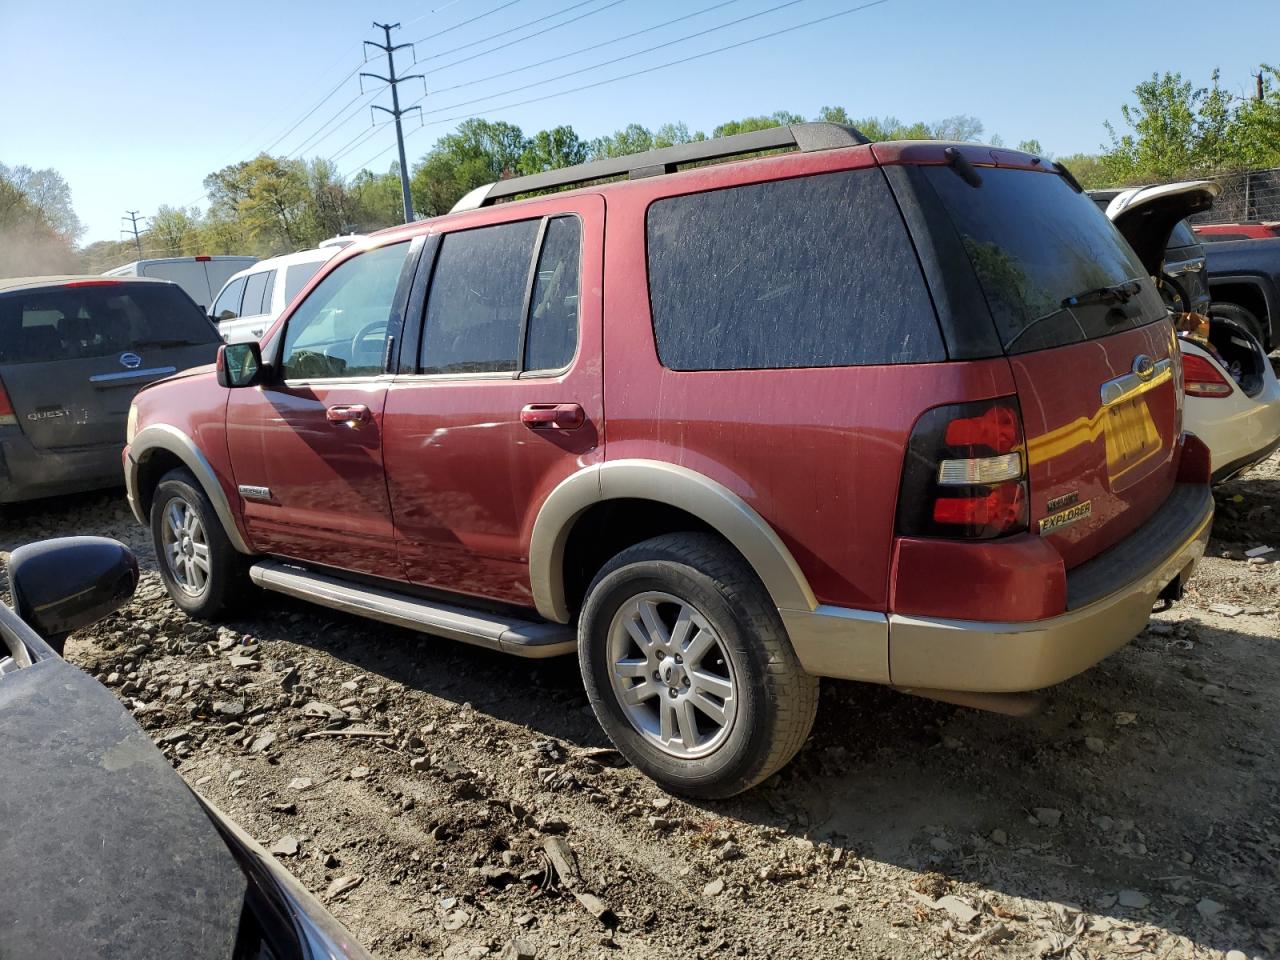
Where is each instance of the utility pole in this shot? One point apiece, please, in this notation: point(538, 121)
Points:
point(393, 82)
point(1258, 92)
point(133, 218)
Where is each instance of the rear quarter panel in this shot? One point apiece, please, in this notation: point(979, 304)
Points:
point(816, 452)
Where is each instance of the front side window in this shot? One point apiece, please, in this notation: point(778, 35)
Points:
point(815, 271)
point(227, 306)
point(340, 329)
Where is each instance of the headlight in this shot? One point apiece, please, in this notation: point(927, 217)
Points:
point(131, 425)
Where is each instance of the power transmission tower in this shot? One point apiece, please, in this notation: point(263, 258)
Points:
point(133, 218)
point(393, 82)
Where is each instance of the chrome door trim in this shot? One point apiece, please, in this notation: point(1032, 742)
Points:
point(132, 374)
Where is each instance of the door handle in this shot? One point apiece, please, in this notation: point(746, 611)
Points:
point(553, 416)
point(351, 414)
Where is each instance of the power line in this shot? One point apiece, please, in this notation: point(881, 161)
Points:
point(306, 116)
point(647, 70)
point(594, 46)
point(469, 20)
point(315, 139)
point(527, 23)
point(625, 56)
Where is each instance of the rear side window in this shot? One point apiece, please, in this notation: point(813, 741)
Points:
point(1034, 243)
point(553, 308)
point(812, 272)
point(298, 276)
point(1182, 236)
point(97, 320)
point(254, 287)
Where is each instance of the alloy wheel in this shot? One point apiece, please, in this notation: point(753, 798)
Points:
point(185, 547)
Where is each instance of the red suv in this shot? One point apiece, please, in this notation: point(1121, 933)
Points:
point(907, 413)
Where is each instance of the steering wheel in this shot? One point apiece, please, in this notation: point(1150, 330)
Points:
point(365, 333)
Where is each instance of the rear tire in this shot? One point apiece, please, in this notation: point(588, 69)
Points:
point(201, 569)
point(689, 669)
point(1245, 318)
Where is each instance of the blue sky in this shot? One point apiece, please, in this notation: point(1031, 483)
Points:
point(134, 103)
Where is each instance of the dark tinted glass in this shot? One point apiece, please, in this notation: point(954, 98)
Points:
point(227, 306)
point(477, 298)
point(812, 272)
point(298, 276)
point(71, 323)
point(1033, 242)
point(340, 329)
point(267, 293)
point(255, 286)
point(553, 308)
point(1182, 236)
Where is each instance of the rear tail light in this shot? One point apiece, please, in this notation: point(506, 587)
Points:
point(7, 417)
point(965, 473)
point(203, 258)
point(1202, 379)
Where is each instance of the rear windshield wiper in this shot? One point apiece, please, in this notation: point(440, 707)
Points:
point(1116, 293)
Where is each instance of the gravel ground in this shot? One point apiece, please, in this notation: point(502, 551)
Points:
point(445, 801)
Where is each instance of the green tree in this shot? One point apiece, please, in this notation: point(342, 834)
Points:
point(778, 118)
point(478, 152)
point(670, 134)
point(267, 197)
point(1089, 169)
point(47, 192)
point(29, 243)
point(961, 127)
point(552, 149)
point(173, 232)
point(632, 138)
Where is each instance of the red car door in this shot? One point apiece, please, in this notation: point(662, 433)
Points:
point(500, 396)
point(306, 446)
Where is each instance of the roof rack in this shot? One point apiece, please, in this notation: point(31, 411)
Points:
point(805, 137)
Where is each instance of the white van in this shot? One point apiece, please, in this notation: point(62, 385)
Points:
point(253, 298)
point(201, 277)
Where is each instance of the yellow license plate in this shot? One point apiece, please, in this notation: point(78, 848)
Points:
point(1131, 436)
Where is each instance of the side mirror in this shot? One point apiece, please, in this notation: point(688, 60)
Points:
point(61, 585)
point(239, 364)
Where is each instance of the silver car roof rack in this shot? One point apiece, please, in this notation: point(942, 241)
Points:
point(805, 137)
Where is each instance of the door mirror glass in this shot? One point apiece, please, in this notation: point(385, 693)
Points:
point(61, 585)
point(239, 364)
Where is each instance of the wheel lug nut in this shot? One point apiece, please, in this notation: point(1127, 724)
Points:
point(657, 676)
point(679, 659)
point(674, 692)
point(661, 654)
point(686, 681)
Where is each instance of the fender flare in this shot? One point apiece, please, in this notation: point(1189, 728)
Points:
point(162, 436)
point(667, 483)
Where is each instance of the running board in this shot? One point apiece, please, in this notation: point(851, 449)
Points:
point(523, 638)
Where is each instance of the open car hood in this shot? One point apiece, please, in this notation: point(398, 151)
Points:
point(1147, 215)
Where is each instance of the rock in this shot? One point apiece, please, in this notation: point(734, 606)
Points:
point(1226, 609)
point(999, 837)
point(262, 742)
point(553, 825)
point(286, 846)
point(728, 851)
point(661, 824)
point(242, 662)
point(173, 737)
point(563, 860)
point(957, 908)
point(519, 949)
point(228, 708)
point(714, 888)
point(289, 679)
point(1105, 824)
point(1095, 744)
point(301, 783)
point(1209, 908)
point(289, 807)
point(1235, 955)
point(456, 920)
point(1133, 899)
point(596, 907)
point(662, 804)
point(1125, 719)
point(941, 844)
point(1212, 691)
point(359, 773)
point(419, 764)
point(341, 886)
point(350, 686)
point(322, 711)
point(1047, 816)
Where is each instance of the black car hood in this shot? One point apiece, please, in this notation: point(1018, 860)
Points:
point(104, 850)
point(1147, 215)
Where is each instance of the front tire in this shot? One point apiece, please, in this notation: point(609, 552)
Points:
point(689, 669)
point(200, 568)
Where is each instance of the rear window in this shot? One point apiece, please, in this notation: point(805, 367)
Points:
point(297, 276)
point(76, 322)
point(811, 272)
point(1034, 242)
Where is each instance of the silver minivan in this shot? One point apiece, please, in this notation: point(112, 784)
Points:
point(201, 277)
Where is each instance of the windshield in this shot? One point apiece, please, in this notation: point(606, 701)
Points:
point(1043, 253)
point(73, 322)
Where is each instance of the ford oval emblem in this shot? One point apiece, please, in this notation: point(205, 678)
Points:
point(130, 361)
point(1144, 367)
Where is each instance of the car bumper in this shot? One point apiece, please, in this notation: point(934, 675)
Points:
point(28, 473)
point(1109, 602)
point(1239, 430)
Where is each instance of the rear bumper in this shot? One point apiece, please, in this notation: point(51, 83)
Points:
point(1109, 601)
point(28, 473)
point(1013, 657)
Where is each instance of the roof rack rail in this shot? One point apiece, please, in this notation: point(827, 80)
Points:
point(805, 137)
